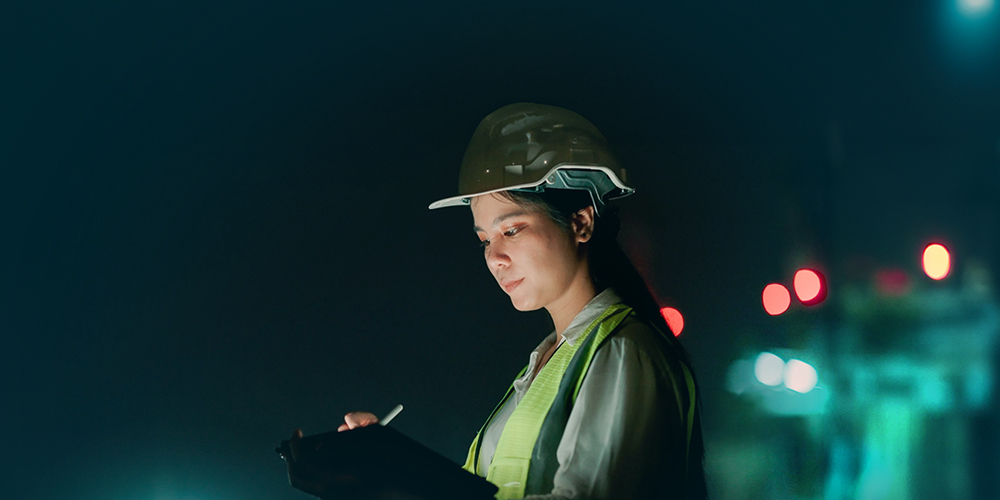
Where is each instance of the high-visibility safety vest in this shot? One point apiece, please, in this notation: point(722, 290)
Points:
point(525, 459)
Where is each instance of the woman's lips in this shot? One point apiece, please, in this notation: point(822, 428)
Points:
point(509, 286)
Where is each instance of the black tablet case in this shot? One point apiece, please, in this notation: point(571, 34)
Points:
point(380, 463)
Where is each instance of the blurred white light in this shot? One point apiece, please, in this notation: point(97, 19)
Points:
point(799, 376)
point(937, 261)
point(768, 368)
point(974, 7)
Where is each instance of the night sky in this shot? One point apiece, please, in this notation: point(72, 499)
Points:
point(215, 215)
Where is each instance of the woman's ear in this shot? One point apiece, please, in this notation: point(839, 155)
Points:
point(583, 224)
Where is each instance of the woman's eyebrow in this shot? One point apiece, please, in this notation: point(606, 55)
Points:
point(501, 218)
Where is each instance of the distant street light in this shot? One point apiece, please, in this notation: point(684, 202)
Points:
point(768, 369)
point(974, 7)
point(937, 261)
point(776, 299)
point(799, 376)
point(810, 286)
point(674, 319)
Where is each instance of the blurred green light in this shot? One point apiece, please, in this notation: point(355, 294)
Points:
point(973, 8)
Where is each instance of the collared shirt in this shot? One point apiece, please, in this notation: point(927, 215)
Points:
point(624, 422)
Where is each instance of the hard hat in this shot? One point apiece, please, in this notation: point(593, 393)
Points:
point(534, 147)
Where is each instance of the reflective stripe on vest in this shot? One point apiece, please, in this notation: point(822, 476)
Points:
point(472, 460)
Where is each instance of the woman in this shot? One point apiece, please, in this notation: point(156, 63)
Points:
point(607, 405)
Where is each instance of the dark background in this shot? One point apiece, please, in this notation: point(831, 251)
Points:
point(215, 226)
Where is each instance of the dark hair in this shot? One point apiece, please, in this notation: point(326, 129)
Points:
point(609, 266)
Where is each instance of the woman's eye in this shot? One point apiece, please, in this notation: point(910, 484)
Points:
point(510, 232)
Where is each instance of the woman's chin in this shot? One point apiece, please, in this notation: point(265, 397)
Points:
point(524, 305)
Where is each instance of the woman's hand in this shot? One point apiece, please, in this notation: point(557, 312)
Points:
point(357, 419)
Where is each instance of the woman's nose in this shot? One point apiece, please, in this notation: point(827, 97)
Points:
point(496, 255)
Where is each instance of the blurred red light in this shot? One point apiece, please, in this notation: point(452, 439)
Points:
point(892, 282)
point(810, 286)
point(776, 299)
point(807, 284)
point(674, 319)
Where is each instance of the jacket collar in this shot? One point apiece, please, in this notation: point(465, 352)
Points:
point(597, 305)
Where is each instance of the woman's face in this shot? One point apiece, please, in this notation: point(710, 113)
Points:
point(535, 261)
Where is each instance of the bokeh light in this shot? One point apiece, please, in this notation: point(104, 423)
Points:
point(892, 282)
point(937, 261)
point(776, 299)
point(810, 287)
point(768, 369)
point(799, 376)
point(973, 8)
point(674, 319)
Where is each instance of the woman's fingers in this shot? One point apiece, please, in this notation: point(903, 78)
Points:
point(357, 419)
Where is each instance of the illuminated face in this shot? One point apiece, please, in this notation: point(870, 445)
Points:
point(535, 261)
